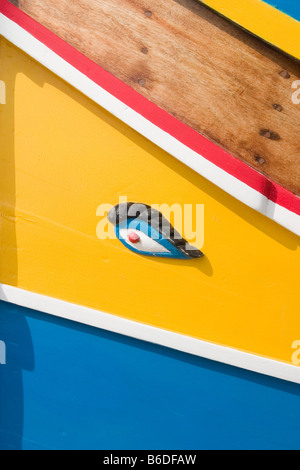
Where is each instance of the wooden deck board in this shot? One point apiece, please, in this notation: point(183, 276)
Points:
point(227, 85)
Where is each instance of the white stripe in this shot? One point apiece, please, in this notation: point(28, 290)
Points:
point(2, 92)
point(241, 191)
point(187, 344)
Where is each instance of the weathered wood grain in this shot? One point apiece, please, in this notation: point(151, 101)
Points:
point(227, 85)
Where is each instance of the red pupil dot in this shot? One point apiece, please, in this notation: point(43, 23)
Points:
point(133, 237)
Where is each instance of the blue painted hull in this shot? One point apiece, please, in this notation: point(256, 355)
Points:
point(70, 386)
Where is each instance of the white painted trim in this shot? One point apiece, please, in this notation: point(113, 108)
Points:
point(123, 326)
point(2, 92)
point(238, 189)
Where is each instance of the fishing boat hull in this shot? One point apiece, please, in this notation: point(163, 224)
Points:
point(119, 349)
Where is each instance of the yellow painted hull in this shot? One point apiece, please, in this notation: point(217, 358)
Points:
point(266, 21)
point(62, 156)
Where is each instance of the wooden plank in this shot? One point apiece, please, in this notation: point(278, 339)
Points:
point(227, 85)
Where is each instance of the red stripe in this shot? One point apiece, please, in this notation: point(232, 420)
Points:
point(183, 133)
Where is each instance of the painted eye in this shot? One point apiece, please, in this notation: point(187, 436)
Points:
point(145, 231)
point(140, 242)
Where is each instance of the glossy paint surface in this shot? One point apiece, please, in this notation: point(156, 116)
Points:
point(290, 7)
point(69, 386)
point(276, 22)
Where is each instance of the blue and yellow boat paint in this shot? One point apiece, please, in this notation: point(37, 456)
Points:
point(89, 385)
point(278, 22)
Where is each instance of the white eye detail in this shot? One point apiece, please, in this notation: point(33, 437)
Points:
point(141, 241)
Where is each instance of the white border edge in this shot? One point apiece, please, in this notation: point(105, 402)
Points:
point(151, 334)
point(233, 186)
